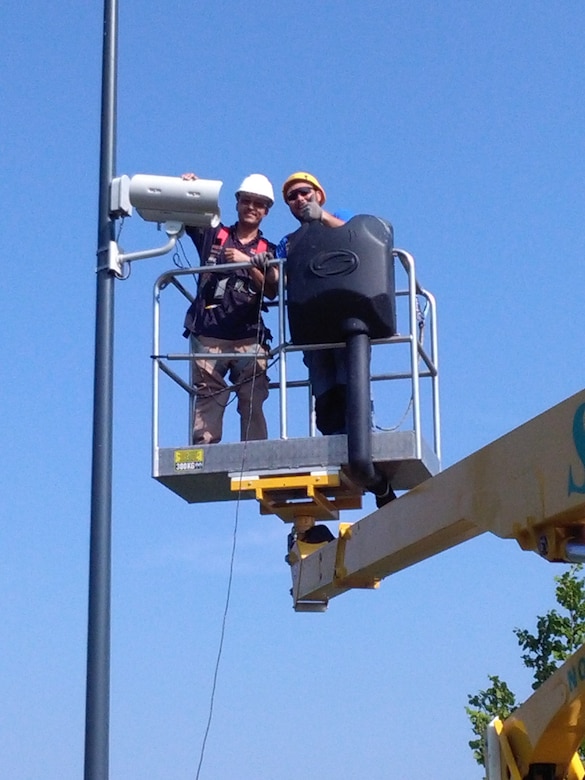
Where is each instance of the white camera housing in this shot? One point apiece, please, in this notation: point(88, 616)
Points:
point(167, 198)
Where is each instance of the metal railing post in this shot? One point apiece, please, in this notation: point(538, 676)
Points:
point(282, 352)
point(408, 263)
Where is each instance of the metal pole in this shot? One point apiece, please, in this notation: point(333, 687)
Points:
point(97, 711)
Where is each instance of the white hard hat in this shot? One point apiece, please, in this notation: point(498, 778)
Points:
point(257, 184)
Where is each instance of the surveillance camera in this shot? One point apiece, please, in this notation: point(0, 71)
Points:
point(167, 198)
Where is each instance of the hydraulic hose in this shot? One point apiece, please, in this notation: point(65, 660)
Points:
point(359, 408)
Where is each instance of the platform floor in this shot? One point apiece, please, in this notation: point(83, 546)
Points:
point(202, 474)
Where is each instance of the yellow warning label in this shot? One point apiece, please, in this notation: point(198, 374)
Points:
point(189, 460)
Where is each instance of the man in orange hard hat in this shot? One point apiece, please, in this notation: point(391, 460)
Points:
point(305, 196)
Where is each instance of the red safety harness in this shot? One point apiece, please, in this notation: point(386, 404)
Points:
point(222, 236)
point(227, 305)
point(217, 285)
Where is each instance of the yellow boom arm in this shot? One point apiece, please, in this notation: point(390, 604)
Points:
point(528, 485)
point(539, 741)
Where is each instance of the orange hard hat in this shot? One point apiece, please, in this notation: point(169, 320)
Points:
point(301, 176)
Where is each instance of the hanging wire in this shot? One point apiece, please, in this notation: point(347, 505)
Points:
point(181, 262)
point(252, 378)
point(221, 637)
point(398, 424)
point(259, 330)
point(240, 383)
point(421, 317)
point(122, 221)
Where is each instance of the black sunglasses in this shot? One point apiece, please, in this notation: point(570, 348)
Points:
point(245, 200)
point(304, 191)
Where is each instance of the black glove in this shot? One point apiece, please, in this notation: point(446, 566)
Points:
point(311, 212)
point(261, 259)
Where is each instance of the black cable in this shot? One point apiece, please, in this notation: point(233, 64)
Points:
point(221, 639)
point(177, 260)
point(234, 543)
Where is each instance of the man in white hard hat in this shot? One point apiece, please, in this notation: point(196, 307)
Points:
point(226, 317)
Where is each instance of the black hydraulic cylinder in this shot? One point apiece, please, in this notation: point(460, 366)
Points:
point(359, 408)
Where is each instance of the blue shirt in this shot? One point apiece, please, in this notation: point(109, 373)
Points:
point(281, 249)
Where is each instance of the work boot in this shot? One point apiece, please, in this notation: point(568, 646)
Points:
point(385, 498)
point(316, 535)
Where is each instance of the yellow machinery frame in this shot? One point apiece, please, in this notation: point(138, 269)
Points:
point(539, 741)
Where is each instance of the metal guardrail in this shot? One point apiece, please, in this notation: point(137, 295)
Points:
point(423, 363)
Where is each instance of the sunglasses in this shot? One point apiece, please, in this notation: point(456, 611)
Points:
point(256, 204)
point(294, 194)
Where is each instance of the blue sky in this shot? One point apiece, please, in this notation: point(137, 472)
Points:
point(462, 123)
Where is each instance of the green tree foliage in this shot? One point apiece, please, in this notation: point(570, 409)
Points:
point(497, 700)
point(559, 633)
